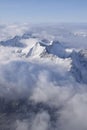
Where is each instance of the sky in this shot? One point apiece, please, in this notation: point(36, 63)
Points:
point(43, 11)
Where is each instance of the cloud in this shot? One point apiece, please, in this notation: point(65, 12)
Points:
point(40, 94)
point(39, 83)
point(11, 30)
point(21, 125)
point(41, 121)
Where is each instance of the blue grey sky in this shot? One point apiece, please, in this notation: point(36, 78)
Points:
point(43, 11)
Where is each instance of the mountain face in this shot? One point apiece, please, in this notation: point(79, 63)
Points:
point(14, 42)
point(79, 66)
point(43, 80)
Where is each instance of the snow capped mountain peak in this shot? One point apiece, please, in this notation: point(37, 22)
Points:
point(36, 50)
point(56, 48)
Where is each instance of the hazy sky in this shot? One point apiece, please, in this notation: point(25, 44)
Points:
point(36, 11)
